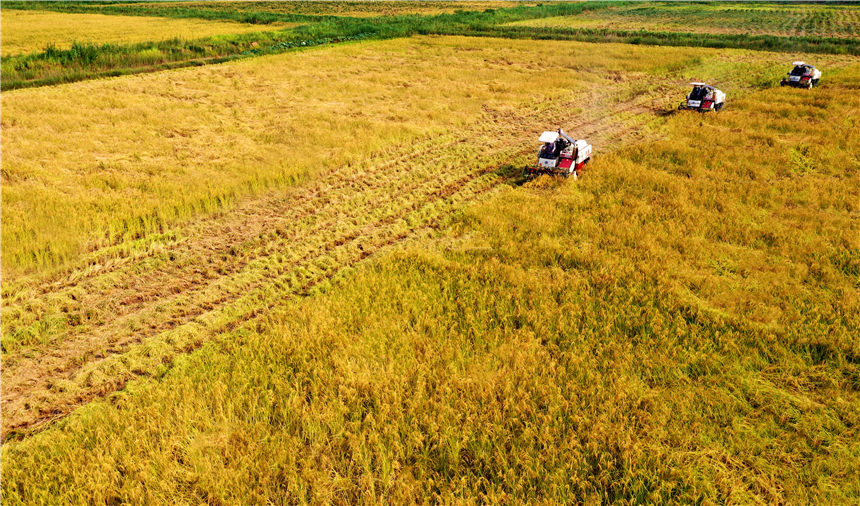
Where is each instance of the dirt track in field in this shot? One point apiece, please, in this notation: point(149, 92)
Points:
point(218, 272)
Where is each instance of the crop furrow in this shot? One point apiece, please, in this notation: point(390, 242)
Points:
point(231, 242)
point(187, 304)
point(186, 338)
point(360, 212)
point(332, 180)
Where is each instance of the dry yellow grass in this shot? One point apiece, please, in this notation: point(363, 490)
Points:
point(31, 31)
point(379, 200)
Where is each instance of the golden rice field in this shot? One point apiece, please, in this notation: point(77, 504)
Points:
point(405, 324)
point(319, 276)
point(395, 155)
point(768, 19)
point(30, 31)
point(134, 156)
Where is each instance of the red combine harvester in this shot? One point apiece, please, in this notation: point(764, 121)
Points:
point(559, 156)
point(703, 98)
point(803, 75)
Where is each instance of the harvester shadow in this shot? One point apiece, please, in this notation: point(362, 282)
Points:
point(511, 175)
point(515, 177)
point(662, 113)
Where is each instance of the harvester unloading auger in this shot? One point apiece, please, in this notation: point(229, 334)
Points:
point(559, 155)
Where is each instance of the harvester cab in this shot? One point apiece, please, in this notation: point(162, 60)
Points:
point(559, 155)
point(704, 98)
point(802, 75)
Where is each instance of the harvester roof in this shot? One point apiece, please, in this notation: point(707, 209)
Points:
point(548, 136)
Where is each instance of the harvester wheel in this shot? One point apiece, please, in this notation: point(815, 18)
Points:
point(719, 106)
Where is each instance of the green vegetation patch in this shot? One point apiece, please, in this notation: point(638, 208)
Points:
point(224, 11)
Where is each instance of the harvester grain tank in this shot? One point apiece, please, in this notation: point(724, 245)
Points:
point(560, 155)
point(803, 75)
point(703, 98)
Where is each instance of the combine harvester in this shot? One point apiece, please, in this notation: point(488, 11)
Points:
point(703, 98)
point(802, 75)
point(559, 156)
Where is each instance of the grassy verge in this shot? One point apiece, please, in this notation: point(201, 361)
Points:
point(676, 326)
point(243, 12)
point(90, 61)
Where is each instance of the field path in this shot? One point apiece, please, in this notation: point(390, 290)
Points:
point(135, 312)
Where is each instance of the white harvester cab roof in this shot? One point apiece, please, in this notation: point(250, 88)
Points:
point(703, 85)
point(798, 63)
point(548, 137)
